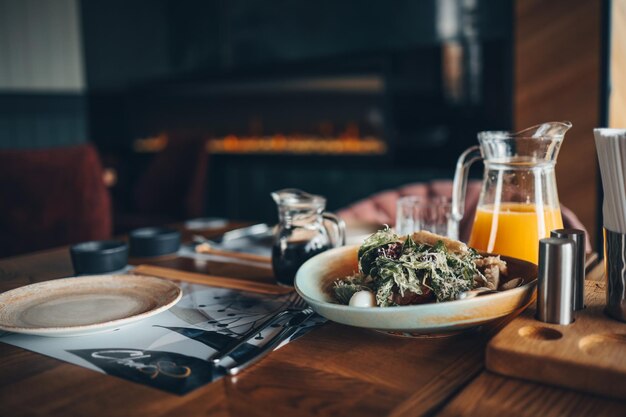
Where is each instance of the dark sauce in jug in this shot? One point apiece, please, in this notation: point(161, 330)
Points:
point(286, 262)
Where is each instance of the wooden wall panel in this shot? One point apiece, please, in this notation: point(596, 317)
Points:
point(617, 102)
point(557, 77)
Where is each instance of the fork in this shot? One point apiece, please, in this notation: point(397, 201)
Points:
point(297, 306)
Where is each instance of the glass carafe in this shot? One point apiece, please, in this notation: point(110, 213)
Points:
point(302, 231)
point(518, 202)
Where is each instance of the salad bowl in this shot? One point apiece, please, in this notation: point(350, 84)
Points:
point(315, 280)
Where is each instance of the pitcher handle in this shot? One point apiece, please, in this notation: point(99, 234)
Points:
point(459, 187)
point(340, 226)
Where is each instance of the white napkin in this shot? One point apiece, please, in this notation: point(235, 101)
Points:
point(611, 148)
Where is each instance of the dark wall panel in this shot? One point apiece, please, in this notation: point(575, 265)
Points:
point(42, 120)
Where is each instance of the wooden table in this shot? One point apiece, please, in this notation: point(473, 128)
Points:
point(334, 370)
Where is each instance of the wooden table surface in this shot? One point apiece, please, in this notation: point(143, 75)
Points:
point(334, 370)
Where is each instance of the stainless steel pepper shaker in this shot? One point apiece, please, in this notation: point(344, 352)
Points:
point(578, 236)
point(554, 282)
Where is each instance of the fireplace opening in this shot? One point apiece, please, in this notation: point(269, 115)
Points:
point(341, 117)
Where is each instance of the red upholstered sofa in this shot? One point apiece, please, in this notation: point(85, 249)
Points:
point(51, 197)
point(171, 189)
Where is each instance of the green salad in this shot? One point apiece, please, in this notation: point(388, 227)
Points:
point(416, 269)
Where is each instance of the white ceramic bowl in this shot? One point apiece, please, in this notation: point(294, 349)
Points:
point(314, 282)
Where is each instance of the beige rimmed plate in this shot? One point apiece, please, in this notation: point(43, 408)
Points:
point(314, 282)
point(85, 305)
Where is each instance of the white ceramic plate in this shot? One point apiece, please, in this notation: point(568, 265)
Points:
point(315, 279)
point(85, 305)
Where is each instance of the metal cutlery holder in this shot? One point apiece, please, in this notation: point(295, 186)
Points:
point(615, 271)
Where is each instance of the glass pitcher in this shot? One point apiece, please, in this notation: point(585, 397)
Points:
point(302, 231)
point(518, 202)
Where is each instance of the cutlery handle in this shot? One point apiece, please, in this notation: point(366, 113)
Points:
point(236, 343)
point(211, 280)
point(284, 334)
point(207, 248)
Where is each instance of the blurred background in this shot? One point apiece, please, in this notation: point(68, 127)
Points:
point(164, 110)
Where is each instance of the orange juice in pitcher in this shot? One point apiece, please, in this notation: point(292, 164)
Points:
point(513, 229)
point(518, 202)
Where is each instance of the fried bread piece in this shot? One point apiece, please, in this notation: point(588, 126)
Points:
point(431, 239)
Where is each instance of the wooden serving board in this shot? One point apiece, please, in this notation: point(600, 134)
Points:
point(588, 355)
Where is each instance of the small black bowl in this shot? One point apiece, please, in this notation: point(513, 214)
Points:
point(99, 256)
point(153, 241)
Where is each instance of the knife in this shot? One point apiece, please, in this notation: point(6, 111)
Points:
point(289, 330)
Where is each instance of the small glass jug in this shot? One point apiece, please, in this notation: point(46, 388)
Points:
point(302, 231)
point(518, 202)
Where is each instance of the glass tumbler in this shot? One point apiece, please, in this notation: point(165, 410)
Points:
point(433, 214)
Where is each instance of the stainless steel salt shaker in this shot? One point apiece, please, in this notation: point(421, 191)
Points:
point(554, 282)
point(578, 236)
